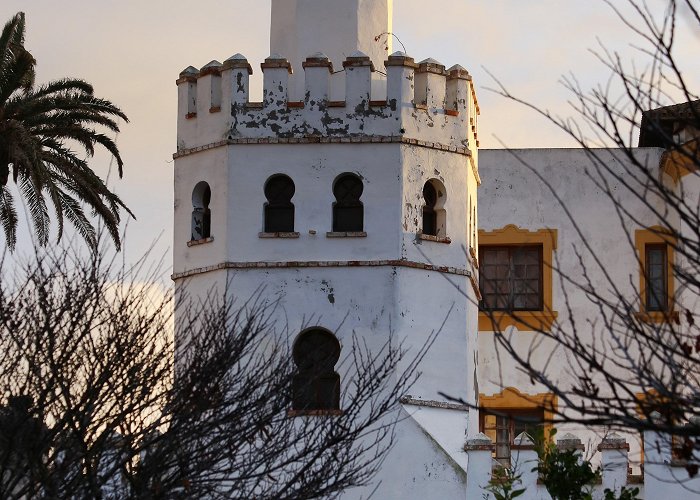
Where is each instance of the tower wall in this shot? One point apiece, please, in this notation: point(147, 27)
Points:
point(424, 104)
point(376, 304)
point(389, 280)
point(304, 27)
point(393, 177)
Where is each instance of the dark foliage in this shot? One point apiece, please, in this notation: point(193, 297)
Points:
point(39, 127)
point(101, 399)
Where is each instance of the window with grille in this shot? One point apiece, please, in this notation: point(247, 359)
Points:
point(504, 426)
point(656, 266)
point(279, 209)
point(510, 278)
point(316, 385)
point(348, 212)
point(656, 256)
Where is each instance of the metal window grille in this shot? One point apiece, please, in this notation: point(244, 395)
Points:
point(510, 278)
point(656, 278)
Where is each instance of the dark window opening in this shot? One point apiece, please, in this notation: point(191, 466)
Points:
point(429, 212)
point(279, 209)
point(656, 278)
point(316, 385)
point(510, 278)
point(503, 426)
point(201, 214)
point(348, 212)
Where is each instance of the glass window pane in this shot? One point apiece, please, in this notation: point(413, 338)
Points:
point(511, 277)
point(527, 422)
point(656, 279)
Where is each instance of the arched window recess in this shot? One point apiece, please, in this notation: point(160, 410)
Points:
point(278, 212)
point(316, 384)
point(434, 225)
point(201, 214)
point(348, 210)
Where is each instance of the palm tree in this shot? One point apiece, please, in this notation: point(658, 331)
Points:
point(38, 126)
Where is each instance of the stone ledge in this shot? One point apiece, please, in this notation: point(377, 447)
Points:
point(444, 405)
point(346, 234)
point(194, 243)
point(287, 235)
point(614, 441)
point(436, 239)
point(524, 321)
point(362, 139)
point(658, 317)
point(478, 447)
point(480, 442)
point(325, 263)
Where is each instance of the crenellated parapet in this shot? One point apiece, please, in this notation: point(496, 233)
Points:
point(424, 102)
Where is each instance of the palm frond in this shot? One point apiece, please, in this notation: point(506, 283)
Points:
point(16, 63)
point(11, 39)
point(8, 217)
point(36, 124)
point(74, 213)
point(31, 187)
point(63, 85)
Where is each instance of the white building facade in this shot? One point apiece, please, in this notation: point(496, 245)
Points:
point(321, 202)
point(593, 220)
point(349, 194)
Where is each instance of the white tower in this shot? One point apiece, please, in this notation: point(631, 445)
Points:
point(358, 213)
point(337, 29)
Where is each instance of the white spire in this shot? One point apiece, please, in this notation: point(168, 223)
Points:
point(337, 28)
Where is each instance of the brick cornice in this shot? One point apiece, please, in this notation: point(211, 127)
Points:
point(322, 263)
point(361, 139)
point(443, 405)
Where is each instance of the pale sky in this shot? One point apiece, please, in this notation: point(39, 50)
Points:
point(133, 50)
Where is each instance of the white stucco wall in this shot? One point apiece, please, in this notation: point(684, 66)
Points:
point(423, 103)
point(690, 192)
point(395, 131)
point(514, 192)
point(393, 176)
point(419, 464)
point(377, 304)
point(408, 303)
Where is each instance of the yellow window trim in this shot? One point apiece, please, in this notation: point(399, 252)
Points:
point(512, 235)
point(678, 164)
point(650, 236)
point(648, 401)
point(512, 399)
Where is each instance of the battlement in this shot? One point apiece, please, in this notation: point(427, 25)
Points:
point(423, 102)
